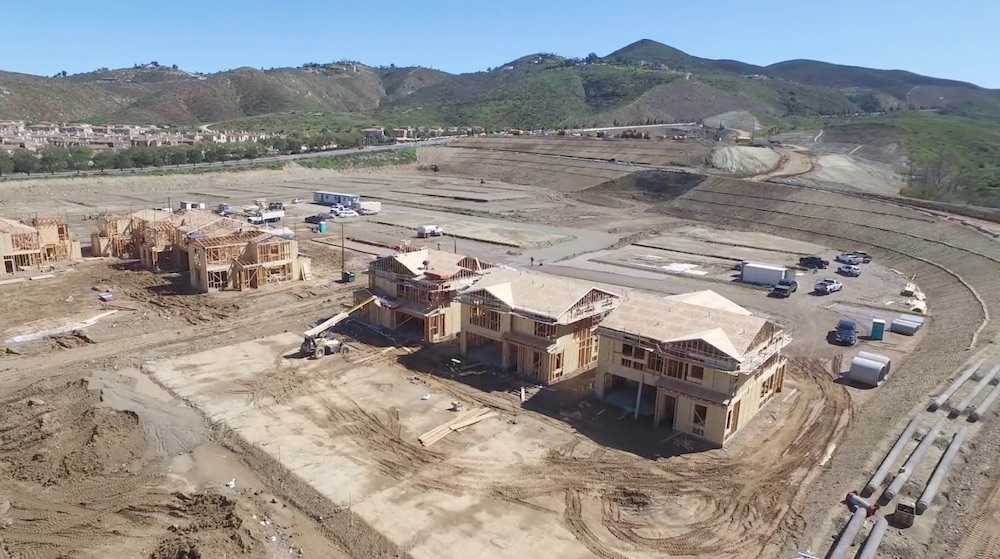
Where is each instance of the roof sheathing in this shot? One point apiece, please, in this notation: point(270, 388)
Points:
point(15, 227)
point(671, 321)
point(535, 294)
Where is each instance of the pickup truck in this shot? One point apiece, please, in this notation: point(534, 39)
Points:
point(785, 288)
point(827, 286)
point(813, 262)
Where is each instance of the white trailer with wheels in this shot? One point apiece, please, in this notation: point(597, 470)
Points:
point(764, 274)
point(368, 208)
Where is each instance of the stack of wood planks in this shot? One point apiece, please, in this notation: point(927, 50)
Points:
point(461, 422)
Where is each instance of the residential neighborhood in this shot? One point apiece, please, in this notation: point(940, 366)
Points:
point(16, 134)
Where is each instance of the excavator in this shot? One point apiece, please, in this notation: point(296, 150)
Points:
point(318, 342)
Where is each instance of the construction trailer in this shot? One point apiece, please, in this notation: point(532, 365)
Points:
point(418, 288)
point(24, 246)
point(695, 362)
point(533, 325)
point(242, 261)
point(335, 198)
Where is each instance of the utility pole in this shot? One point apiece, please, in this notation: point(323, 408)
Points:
point(343, 262)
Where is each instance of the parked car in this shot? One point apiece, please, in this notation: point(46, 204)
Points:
point(849, 258)
point(826, 286)
point(347, 213)
point(318, 218)
point(849, 270)
point(296, 200)
point(785, 288)
point(813, 262)
point(847, 332)
point(864, 256)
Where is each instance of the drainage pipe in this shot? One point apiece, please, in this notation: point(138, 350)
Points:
point(985, 404)
point(966, 375)
point(876, 481)
point(911, 463)
point(848, 534)
point(870, 548)
point(941, 471)
point(976, 390)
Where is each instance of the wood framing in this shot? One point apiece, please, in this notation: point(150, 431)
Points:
point(241, 261)
point(38, 242)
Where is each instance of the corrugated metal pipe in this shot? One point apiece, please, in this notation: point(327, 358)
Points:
point(911, 463)
point(985, 404)
point(870, 549)
point(966, 375)
point(848, 534)
point(941, 471)
point(976, 390)
point(876, 481)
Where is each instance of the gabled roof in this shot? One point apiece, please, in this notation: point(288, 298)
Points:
point(15, 227)
point(537, 294)
point(668, 320)
point(440, 264)
point(709, 299)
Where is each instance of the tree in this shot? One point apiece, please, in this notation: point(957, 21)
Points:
point(79, 158)
point(173, 66)
point(123, 160)
point(104, 159)
point(6, 163)
point(142, 157)
point(63, 73)
point(195, 155)
point(178, 156)
point(211, 154)
point(25, 162)
point(251, 150)
point(592, 58)
point(54, 159)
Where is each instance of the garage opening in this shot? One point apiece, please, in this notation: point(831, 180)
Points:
point(409, 326)
point(621, 392)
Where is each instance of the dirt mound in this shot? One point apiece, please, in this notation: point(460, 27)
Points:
point(63, 435)
point(743, 160)
point(209, 525)
point(644, 186)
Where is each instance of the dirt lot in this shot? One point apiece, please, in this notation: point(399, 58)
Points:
point(582, 481)
point(350, 431)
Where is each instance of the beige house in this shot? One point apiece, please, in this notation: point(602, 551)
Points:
point(418, 287)
point(697, 362)
point(55, 240)
point(535, 325)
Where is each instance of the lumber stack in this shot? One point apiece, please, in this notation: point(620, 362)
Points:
point(463, 421)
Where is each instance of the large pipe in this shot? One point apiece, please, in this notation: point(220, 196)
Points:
point(911, 462)
point(941, 471)
point(985, 404)
point(966, 375)
point(870, 548)
point(976, 390)
point(876, 481)
point(848, 534)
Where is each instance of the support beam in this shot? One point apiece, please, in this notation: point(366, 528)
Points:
point(941, 471)
point(870, 549)
point(848, 534)
point(638, 399)
point(966, 375)
point(974, 393)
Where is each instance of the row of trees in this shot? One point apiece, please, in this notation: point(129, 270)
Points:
point(56, 159)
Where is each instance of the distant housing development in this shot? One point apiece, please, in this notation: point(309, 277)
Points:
point(19, 135)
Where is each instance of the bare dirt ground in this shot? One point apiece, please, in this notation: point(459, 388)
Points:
point(744, 160)
point(78, 420)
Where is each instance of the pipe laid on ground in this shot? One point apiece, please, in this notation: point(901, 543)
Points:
point(879, 476)
point(941, 471)
point(976, 390)
point(848, 534)
point(985, 404)
point(911, 463)
point(966, 375)
point(870, 548)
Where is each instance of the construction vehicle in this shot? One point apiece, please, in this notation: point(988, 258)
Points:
point(317, 341)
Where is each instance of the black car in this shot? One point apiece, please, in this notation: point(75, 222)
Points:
point(813, 262)
point(316, 219)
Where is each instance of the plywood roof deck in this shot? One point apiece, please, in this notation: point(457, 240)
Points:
point(15, 227)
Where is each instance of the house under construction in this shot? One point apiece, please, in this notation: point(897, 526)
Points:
point(42, 241)
point(417, 287)
point(219, 252)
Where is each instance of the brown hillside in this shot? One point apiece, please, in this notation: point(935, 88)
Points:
point(686, 101)
point(25, 97)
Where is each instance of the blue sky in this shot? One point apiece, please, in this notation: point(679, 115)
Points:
point(958, 41)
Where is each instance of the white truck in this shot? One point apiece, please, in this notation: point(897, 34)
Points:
point(266, 216)
point(368, 208)
point(429, 231)
point(764, 274)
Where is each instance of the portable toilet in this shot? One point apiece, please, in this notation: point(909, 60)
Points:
point(878, 329)
point(322, 227)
